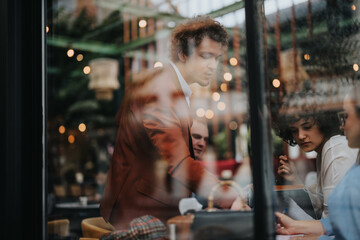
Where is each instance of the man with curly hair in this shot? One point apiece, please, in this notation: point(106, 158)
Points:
point(153, 165)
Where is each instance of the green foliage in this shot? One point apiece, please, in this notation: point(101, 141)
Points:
point(68, 93)
point(82, 24)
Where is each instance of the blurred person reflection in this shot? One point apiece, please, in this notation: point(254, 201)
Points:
point(153, 164)
point(344, 207)
point(200, 137)
point(302, 122)
point(100, 180)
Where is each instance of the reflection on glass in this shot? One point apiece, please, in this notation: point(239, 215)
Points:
point(311, 45)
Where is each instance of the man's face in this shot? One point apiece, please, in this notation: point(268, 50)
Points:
point(200, 137)
point(201, 64)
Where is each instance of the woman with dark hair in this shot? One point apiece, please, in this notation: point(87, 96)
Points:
point(314, 126)
point(344, 207)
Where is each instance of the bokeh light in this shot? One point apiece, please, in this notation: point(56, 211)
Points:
point(61, 129)
point(227, 76)
point(223, 87)
point(142, 23)
point(79, 57)
point(221, 106)
point(276, 83)
point(233, 61)
point(209, 114)
point(200, 112)
point(356, 67)
point(216, 96)
point(82, 127)
point(71, 138)
point(70, 52)
point(87, 70)
point(233, 125)
point(307, 56)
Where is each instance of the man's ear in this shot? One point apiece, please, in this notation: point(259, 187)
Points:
point(182, 57)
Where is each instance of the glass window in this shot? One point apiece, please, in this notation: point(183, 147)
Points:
point(148, 126)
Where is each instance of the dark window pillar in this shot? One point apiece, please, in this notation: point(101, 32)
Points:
point(261, 153)
point(22, 71)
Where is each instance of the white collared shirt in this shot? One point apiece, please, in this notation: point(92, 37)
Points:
point(184, 86)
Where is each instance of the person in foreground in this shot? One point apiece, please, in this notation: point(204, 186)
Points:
point(302, 122)
point(344, 205)
point(153, 164)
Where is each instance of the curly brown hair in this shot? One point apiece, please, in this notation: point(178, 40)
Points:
point(306, 105)
point(190, 33)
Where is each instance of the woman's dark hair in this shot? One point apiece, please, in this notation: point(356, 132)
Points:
point(307, 105)
point(189, 34)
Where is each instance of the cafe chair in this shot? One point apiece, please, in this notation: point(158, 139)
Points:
point(94, 227)
point(60, 191)
point(58, 227)
point(89, 190)
point(75, 190)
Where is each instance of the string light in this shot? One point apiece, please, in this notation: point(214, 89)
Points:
point(221, 106)
point(307, 56)
point(79, 57)
point(223, 87)
point(70, 52)
point(82, 127)
point(71, 138)
point(227, 76)
point(87, 70)
point(216, 96)
point(209, 114)
point(233, 125)
point(233, 61)
point(200, 112)
point(276, 83)
point(142, 23)
point(356, 67)
point(61, 129)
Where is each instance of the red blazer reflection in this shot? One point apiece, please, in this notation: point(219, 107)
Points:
point(153, 165)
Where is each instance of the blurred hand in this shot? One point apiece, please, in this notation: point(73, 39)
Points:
point(286, 169)
point(239, 204)
point(285, 225)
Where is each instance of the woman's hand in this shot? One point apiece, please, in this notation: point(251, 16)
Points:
point(286, 169)
point(285, 225)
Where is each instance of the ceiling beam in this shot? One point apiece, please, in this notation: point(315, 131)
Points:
point(227, 9)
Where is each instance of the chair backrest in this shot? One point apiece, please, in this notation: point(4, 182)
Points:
point(59, 227)
point(75, 190)
point(94, 227)
point(60, 190)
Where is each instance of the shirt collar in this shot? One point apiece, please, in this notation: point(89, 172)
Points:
point(184, 86)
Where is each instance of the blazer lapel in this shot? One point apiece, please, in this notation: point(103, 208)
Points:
point(187, 122)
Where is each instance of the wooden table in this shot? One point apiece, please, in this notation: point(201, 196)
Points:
point(182, 223)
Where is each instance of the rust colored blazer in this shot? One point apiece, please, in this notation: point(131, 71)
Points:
point(153, 166)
